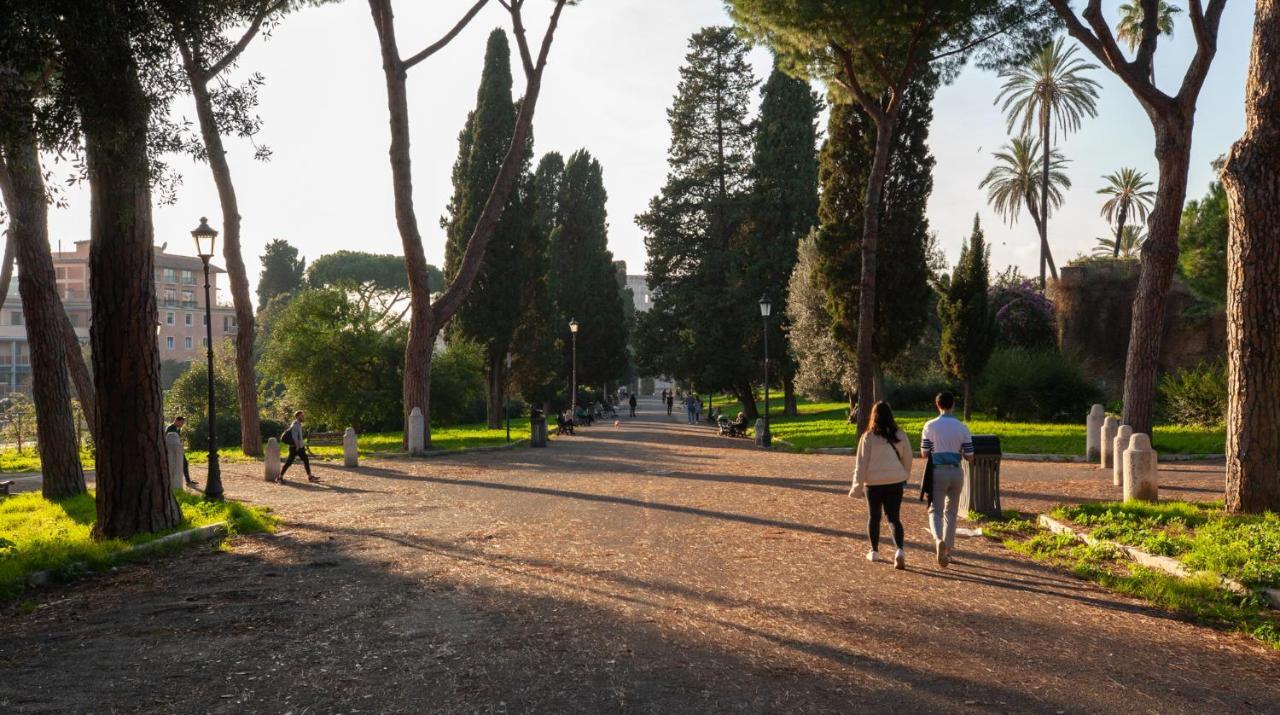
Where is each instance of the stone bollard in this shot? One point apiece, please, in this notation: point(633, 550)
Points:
point(417, 433)
point(350, 454)
point(173, 451)
point(1106, 441)
point(1093, 433)
point(271, 461)
point(1141, 475)
point(1118, 446)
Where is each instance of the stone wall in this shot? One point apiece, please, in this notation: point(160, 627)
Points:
point(1094, 304)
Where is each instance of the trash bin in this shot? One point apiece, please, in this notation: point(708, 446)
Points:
point(981, 491)
point(537, 429)
point(763, 437)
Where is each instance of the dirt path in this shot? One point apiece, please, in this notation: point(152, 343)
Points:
point(650, 567)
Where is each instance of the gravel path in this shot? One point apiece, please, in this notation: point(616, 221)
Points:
point(649, 567)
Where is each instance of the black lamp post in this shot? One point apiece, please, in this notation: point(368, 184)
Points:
point(766, 307)
point(205, 237)
point(573, 331)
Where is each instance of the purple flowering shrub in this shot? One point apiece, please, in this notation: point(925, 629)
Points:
point(1024, 317)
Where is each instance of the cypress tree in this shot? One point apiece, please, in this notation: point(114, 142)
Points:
point(968, 330)
point(702, 296)
point(902, 283)
point(783, 208)
point(537, 368)
point(492, 311)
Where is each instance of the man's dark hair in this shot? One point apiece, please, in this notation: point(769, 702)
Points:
point(180, 418)
point(945, 400)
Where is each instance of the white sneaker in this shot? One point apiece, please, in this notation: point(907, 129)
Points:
point(900, 560)
point(873, 556)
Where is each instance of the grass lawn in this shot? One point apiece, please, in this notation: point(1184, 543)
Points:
point(442, 438)
point(41, 535)
point(823, 425)
point(1200, 598)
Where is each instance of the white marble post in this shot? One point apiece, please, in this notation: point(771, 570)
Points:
point(1118, 446)
point(1106, 441)
point(1093, 433)
point(350, 455)
point(173, 450)
point(1141, 475)
point(417, 433)
point(271, 461)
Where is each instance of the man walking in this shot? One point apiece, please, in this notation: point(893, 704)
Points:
point(944, 442)
point(671, 401)
point(176, 427)
point(691, 408)
point(297, 448)
point(632, 402)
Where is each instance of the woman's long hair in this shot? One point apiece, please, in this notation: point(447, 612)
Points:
point(882, 422)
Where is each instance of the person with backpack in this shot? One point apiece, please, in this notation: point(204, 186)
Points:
point(880, 473)
point(297, 448)
point(944, 442)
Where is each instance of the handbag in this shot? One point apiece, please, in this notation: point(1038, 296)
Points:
point(926, 484)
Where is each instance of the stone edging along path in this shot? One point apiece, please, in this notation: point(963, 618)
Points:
point(1017, 457)
point(1164, 563)
point(432, 454)
point(208, 532)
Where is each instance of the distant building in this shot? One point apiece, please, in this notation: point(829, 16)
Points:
point(179, 282)
point(640, 294)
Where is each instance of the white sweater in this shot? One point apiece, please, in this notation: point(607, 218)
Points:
point(880, 462)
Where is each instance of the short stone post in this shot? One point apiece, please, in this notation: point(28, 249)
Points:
point(417, 433)
point(1107, 440)
point(1141, 475)
point(271, 461)
point(173, 450)
point(1093, 433)
point(1118, 446)
point(350, 455)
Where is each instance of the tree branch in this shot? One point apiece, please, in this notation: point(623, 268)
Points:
point(1205, 27)
point(1104, 47)
point(448, 36)
point(869, 104)
point(269, 7)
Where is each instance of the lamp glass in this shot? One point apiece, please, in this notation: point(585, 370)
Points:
point(766, 307)
point(205, 236)
point(573, 326)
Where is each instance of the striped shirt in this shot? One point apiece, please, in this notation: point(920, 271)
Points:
point(946, 439)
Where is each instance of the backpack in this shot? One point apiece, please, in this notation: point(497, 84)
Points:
point(286, 437)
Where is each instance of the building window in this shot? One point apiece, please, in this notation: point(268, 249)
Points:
point(204, 320)
point(187, 342)
point(168, 318)
point(189, 278)
point(188, 298)
point(168, 343)
point(170, 295)
point(204, 342)
point(15, 317)
point(170, 275)
point(188, 319)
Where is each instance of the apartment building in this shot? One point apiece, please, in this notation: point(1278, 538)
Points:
point(179, 282)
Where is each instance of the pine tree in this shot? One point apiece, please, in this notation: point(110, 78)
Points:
point(585, 287)
point(902, 282)
point(702, 301)
point(492, 311)
point(968, 330)
point(282, 271)
point(782, 209)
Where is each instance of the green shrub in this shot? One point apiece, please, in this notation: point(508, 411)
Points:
point(189, 396)
point(916, 394)
point(1196, 396)
point(458, 385)
point(1035, 384)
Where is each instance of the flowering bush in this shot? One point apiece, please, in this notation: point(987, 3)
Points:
point(1024, 316)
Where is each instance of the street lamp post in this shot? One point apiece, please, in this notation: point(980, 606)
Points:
point(205, 237)
point(507, 409)
point(573, 399)
point(766, 307)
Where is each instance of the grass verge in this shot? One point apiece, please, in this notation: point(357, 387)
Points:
point(1200, 599)
point(37, 534)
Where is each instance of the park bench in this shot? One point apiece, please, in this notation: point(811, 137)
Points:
point(5, 486)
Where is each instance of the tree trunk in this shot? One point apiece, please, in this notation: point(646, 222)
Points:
point(1159, 259)
point(968, 399)
point(246, 381)
point(6, 267)
point(852, 417)
point(1046, 255)
point(1124, 215)
point(80, 377)
point(747, 396)
point(1252, 181)
point(43, 314)
point(133, 493)
point(867, 283)
point(789, 405)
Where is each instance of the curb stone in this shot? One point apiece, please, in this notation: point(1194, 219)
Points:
point(1163, 563)
point(208, 532)
point(1021, 457)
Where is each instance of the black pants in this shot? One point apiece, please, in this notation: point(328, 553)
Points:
point(186, 469)
point(669, 408)
point(886, 497)
point(633, 410)
point(299, 453)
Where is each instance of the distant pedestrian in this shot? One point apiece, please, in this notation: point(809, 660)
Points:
point(176, 427)
point(697, 411)
point(944, 442)
point(881, 472)
point(297, 448)
point(671, 401)
point(632, 402)
point(691, 407)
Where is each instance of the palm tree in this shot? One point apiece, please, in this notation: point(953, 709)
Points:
point(1014, 183)
point(1049, 90)
point(1127, 244)
point(1130, 192)
point(1129, 29)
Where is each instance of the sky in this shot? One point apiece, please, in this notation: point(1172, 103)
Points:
point(611, 76)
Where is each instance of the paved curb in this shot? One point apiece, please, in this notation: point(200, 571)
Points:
point(1019, 457)
point(1164, 563)
point(209, 532)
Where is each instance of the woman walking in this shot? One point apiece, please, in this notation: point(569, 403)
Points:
point(881, 472)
